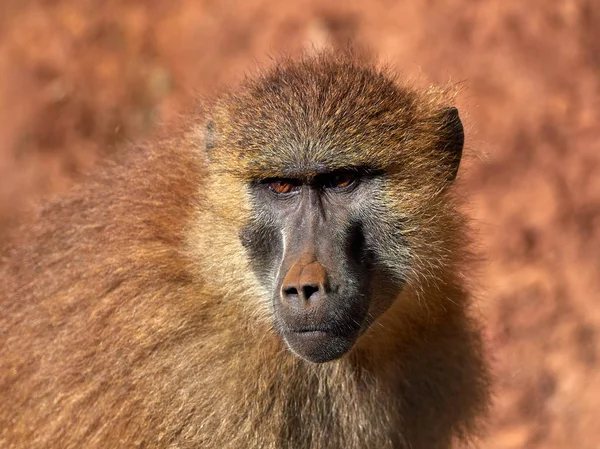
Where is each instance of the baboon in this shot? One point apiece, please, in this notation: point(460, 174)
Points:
point(286, 272)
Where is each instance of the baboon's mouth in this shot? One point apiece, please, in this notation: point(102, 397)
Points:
point(320, 345)
point(313, 330)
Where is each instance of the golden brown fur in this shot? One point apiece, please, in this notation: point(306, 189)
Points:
point(130, 317)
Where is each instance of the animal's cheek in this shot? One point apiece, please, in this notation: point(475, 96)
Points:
point(263, 247)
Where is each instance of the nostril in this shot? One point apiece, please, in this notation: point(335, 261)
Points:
point(310, 292)
point(290, 292)
point(306, 294)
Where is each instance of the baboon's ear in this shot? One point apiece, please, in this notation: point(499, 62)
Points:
point(209, 137)
point(453, 140)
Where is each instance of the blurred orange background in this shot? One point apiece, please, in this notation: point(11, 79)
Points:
point(80, 78)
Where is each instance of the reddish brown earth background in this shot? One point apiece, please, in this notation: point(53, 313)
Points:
point(80, 78)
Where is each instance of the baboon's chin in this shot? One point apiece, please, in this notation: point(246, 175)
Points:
point(319, 346)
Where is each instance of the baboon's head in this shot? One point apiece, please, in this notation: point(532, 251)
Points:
point(345, 174)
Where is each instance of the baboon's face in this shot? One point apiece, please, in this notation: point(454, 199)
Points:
point(312, 241)
point(343, 169)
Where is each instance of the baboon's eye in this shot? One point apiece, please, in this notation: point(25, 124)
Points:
point(282, 186)
point(340, 180)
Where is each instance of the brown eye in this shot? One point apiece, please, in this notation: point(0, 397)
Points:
point(341, 180)
point(282, 186)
